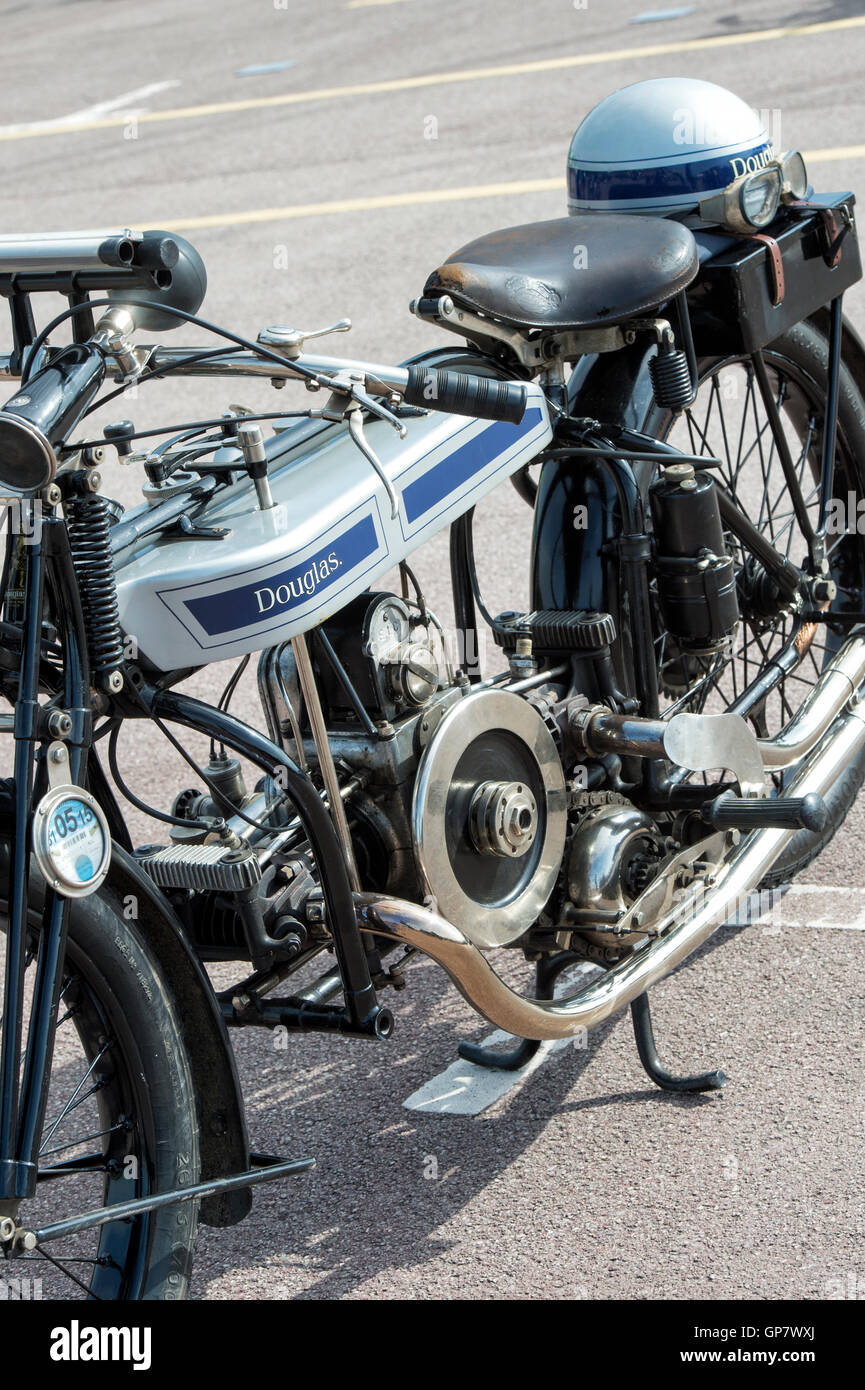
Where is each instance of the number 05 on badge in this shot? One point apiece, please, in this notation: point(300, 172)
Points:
point(71, 840)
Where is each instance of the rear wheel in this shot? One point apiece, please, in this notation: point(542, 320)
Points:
point(728, 420)
point(120, 1123)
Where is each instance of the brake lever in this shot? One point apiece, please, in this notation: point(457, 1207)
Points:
point(347, 401)
point(355, 429)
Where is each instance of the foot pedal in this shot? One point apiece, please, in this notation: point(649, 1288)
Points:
point(730, 812)
point(203, 868)
point(556, 630)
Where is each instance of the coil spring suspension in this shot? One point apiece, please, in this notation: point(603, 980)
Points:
point(671, 378)
point(88, 523)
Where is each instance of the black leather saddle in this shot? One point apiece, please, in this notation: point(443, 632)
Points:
point(574, 272)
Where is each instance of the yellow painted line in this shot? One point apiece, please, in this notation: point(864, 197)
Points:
point(416, 199)
point(384, 200)
point(437, 79)
point(839, 152)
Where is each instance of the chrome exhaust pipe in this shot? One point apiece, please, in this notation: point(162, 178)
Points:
point(820, 708)
point(690, 922)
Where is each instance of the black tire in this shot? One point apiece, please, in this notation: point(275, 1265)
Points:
point(800, 356)
point(123, 1014)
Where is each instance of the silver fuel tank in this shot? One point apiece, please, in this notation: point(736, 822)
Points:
point(330, 534)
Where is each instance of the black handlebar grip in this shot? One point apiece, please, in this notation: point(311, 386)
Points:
point(729, 812)
point(483, 396)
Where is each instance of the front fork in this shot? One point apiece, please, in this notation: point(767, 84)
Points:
point(43, 566)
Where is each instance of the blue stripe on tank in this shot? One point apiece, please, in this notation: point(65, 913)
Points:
point(458, 468)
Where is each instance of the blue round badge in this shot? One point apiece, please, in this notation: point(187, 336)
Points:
point(84, 868)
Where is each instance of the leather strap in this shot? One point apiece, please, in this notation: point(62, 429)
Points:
point(775, 263)
point(834, 236)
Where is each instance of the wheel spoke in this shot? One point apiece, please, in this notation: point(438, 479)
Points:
point(72, 1102)
point(59, 1264)
point(85, 1139)
point(741, 435)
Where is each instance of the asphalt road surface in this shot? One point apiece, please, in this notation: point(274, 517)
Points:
point(387, 133)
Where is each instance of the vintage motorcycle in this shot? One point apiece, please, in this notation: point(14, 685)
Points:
point(679, 720)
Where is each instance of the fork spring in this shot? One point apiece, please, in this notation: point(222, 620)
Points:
point(88, 520)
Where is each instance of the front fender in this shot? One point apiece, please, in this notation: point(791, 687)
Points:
point(221, 1114)
point(224, 1142)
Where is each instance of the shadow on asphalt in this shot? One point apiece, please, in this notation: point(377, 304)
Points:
point(368, 1208)
point(806, 14)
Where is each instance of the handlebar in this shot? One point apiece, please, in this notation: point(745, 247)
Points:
point(61, 390)
point(464, 394)
point(432, 388)
point(87, 260)
point(64, 381)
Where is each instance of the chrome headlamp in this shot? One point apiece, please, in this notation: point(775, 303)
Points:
point(752, 200)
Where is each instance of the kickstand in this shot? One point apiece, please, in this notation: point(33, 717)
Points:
point(547, 971)
point(645, 1039)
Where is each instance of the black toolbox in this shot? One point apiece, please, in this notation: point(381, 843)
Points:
point(740, 302)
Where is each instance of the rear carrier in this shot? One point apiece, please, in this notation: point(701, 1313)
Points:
point(748, 295)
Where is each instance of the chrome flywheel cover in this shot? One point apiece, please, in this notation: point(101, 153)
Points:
point(489, 816)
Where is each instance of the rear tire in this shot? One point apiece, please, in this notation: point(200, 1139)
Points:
point(796, 362)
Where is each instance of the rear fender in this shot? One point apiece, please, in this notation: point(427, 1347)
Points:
point(573, 565)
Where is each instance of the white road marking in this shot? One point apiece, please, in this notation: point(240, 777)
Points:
point(655, 16)
point(812, 906)
point(264, 69)
point(125, 103)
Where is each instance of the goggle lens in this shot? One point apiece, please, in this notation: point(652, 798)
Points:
point(759, 196)
point(794, 174)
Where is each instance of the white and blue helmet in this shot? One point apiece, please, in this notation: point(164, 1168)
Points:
point(661, 146)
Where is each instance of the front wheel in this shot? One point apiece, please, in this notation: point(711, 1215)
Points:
point(121, 1118)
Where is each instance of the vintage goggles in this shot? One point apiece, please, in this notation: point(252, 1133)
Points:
point(752, 200)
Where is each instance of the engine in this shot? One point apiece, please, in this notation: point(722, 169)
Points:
point(468, 797)
point(481, 800)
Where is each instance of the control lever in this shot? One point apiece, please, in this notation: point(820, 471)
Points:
point(251, 441)
point(120, 435)
point(288, 342)
point(355, 429)
point(730, 812)
point(348, 401)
